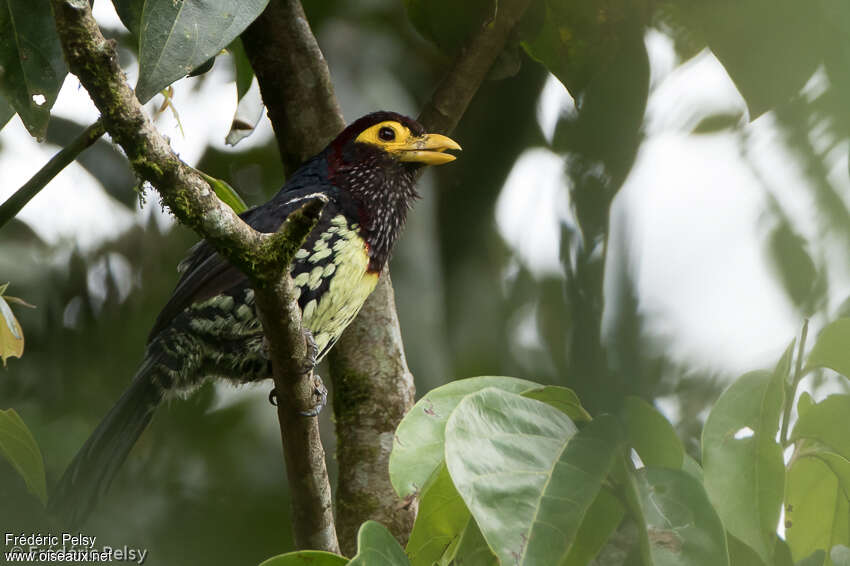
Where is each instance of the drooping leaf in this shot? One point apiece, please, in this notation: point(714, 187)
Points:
point(31, 65)
point(226, 193)
point(579, 38)
point(742, 462)
point(19, 447)
point(770, 48)
point(11, 334)
point(440, 521)
point(448, 23)
point(562, 398)
point(176, 36)
point(249, 110)
point(830, 349)
point(419, 438)
point(130, 13)
point(682, 528)
point(793, 265)
point(652, 435)
point(250, 106)
point(817, 514)
point(306, 558)
point(376, 546)
point(527, 478)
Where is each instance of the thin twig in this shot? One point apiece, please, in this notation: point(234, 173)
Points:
point(13, 205)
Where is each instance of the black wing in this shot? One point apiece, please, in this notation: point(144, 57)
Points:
point(205, 274)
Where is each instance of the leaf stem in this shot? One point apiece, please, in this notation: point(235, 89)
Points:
point(791, 390)
point(13, 205)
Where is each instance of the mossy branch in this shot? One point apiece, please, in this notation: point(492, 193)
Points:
point(264, 258)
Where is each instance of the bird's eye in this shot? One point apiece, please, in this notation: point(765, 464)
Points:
point(386, 134)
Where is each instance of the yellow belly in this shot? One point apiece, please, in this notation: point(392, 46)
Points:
point(342, 256)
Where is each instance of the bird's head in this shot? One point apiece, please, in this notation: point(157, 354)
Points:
point(376, 160)
point(389, 139)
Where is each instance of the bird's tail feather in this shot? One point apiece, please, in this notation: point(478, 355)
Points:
point(90, 473)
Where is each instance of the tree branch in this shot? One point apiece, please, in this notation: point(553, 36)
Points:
point(13, 205)
point(264, 258)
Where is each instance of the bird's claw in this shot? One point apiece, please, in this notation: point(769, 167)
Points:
point(312, 352)
point(320, 393)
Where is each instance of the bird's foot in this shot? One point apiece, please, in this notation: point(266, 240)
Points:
point(312, 352)
point(320, 394)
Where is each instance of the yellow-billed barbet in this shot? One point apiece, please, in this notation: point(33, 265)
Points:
point(209, 328)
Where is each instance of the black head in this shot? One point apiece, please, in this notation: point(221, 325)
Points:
point(376, 160)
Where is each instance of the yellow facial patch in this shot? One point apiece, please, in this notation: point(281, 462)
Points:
point(397, 139)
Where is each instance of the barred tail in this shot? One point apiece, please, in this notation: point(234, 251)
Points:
point(89, 475)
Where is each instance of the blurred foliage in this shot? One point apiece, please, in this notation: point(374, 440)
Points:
point(211, 463)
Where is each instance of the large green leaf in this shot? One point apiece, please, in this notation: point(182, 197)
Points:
point(681, 526)
point(526, 476)
point(176, 36)
point(770, 48)
point(440, 521)
point(376, 546)
point(601, 520)
point(817, 509)
point(19, 447)
point(742, 462)
point(652, 435)
point(31, 64)
point(562, 398)
point(831, 348)
point(826, 422)
point(418, 443)
point(448, 23)
point(306, 558)
point(471, 550)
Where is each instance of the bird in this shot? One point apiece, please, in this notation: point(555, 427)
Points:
point(366, 177)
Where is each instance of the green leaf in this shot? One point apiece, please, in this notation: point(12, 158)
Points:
point(226, 193)
point(781, 40)
point(31, 65)
point(652, 435)
point(816, 559)
point(19, 447)
point(793, 265)
point(562, 398)
point(449, 23)
point(249, 108)
point(11, 334)
point(601, 520)
point(817, 510)
point(177, 36)
point(419, 438)
point(306, 558)
point(575, 43)
point(376, 546)
point(826, 422)
point(830, 349)
point(526, 476)
point(742, 462)
point(804, 403)
point(471, 550)
point(682, 528)
point(440, 522)
point(130, 13)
